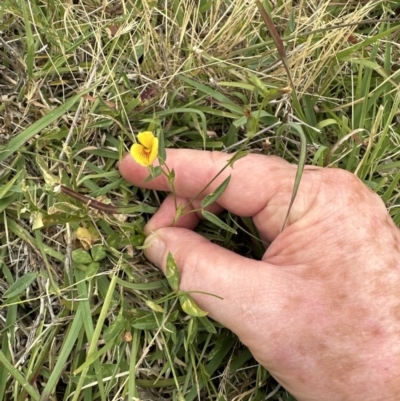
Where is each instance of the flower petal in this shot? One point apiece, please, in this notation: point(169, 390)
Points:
point(139, 154)
point(154, 151)
point(146, 138)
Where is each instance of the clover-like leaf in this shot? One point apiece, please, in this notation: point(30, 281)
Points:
point(80, 256)
point(98, 252)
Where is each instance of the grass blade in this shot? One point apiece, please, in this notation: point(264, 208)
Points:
point(18, 141)
point(21, 379)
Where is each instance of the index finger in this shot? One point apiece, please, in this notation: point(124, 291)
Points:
point(255, 179)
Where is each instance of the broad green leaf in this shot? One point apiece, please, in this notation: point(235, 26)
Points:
point(217, 221)
point(81, 256)
point(189, 306)
point(92, 269)
point(211, 198)
point(18, 141)
point(98, 252)
point(172, 272)
point(20, 285)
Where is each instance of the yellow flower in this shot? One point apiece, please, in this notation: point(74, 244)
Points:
point(145, 152)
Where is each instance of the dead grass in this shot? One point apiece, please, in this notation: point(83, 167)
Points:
point(108, 327)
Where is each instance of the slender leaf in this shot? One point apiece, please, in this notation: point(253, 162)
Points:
point(5, 188)
point(20, 285)
point(300, 167)
point(217, 221)
point(190, 307)
point(211, 198)
point(18, 376)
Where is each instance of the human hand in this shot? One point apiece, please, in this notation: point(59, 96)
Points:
point(321, 310)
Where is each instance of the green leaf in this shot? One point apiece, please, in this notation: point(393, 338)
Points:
point(211, 198)
point(217, 221)
point(30, 43)
point(155, 307)
point(64, 207)
point(185, 110)
point(162, 154)
point(172, 272)
point(115, 329)
point(154, 172)
point(193, 329)
point(215, 94)
point(81, 256)
point(171, 178)
point(5, 188)
point(20, 285)
point(92, 269)
point(98, 252)
point(189, 306)
point(49, 178)
point(252, 126)
point(170, 329)
point(261, 116)
point(14, 372)
point(237, 156)
point(207, 324)
point(300, 167)
point(147, 322)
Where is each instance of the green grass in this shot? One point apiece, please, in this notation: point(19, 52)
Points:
point(78, 80)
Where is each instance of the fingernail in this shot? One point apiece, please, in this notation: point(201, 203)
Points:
point(154, 249)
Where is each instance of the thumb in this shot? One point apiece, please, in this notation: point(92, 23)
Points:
point(249, 292)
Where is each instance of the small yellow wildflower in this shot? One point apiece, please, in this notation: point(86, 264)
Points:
point(145, 152)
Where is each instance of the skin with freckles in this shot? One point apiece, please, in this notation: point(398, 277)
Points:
point(321, 310)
